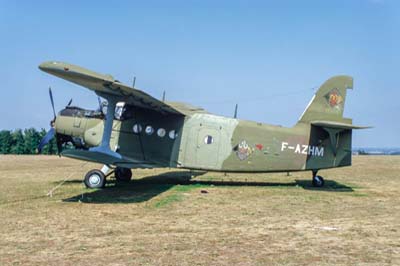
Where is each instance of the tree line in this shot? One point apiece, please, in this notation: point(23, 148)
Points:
point(24, 142)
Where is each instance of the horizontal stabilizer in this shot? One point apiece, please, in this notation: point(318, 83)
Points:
point(332, 124)
point(334, 129)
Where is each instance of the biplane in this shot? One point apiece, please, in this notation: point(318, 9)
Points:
point(135, 130)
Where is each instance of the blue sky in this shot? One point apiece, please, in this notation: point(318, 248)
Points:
point(268, 56)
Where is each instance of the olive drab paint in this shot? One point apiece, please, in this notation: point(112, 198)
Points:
point(152, 133)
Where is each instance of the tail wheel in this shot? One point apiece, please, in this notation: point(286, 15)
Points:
point(123, 174)
point(318, 181)
point(95, 179)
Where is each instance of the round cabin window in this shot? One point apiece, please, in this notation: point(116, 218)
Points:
point(161, 132)
point(172, 134)
point(137, 128)
point(208, 139)
point(149, 130)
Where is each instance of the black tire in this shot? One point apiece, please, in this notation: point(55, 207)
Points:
point(318, 181)
point(95, 179)
point(123, 174)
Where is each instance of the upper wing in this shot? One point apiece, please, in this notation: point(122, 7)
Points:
point(106, 85)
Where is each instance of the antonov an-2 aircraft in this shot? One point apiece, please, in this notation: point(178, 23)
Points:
point(140, 131)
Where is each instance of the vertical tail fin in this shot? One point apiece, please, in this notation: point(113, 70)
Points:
point(328, 103)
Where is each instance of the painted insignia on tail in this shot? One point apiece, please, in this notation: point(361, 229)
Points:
point(334, 98)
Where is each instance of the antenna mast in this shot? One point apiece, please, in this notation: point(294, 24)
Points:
point(236, 109)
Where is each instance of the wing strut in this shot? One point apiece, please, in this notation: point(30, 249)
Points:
point(108, 124)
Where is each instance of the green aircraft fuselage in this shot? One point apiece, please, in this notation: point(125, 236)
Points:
point(210, 142)
point(149, 133)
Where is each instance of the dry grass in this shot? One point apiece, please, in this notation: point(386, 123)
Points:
point(163, 218)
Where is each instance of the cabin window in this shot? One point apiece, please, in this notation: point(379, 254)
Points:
point(208, 139)
point(161, 132)
point(137, 128)
point(149, 130)
point(172, 134)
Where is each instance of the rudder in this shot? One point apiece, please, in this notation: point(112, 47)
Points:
point(328, 103)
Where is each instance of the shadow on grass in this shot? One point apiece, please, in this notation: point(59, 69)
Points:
point(121, 193)
point(138, 190)
point(141, 190)
point(330, 185)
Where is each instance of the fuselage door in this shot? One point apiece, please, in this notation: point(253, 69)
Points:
point(207, 150)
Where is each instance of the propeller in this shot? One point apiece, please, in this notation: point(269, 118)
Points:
point(46, 139)
point(52, 131)
point(52, 103)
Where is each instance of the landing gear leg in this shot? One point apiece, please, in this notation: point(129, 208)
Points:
point(317, 181)
point(106, 170)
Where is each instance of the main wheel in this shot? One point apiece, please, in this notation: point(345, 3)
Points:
point(123, 174)
point(318, 181)
point(95, 179)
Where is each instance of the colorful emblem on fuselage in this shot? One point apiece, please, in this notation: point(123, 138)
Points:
point(243, 150)
point(334, 98)
point(259, 147)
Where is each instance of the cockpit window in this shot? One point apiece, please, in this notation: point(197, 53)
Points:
point(118, 112)
point(80, 112)
point(124, 111)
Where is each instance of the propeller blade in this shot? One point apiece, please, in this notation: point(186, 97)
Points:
point(69, 103)
point(52, 102)
point(46, 139)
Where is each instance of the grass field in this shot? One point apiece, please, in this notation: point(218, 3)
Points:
point(165, 217)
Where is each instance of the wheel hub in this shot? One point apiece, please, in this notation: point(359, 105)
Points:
point(94, 180)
